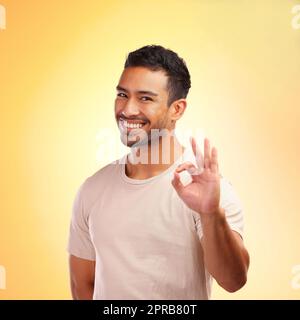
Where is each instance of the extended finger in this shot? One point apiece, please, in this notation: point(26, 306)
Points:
point(214, 166)
point(206, 154)
point(197, 153)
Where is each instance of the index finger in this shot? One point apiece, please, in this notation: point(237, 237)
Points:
point(197, 153)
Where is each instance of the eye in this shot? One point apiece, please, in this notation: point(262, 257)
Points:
point(121, 94)
point(144, 98)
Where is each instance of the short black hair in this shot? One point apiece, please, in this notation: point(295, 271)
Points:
point(155, 57)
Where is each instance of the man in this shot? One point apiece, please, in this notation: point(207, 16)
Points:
point(141, 230)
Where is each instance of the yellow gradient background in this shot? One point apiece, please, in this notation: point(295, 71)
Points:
point(59, 64)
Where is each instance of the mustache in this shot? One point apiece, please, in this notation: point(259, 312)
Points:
point(133, 118)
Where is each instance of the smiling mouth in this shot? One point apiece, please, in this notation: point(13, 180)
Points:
point(131, 124)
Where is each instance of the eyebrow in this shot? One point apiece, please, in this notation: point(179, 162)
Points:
point(150, 93)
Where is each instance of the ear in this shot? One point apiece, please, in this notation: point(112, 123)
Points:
point(177, 109)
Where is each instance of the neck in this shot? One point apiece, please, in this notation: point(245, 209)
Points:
point(151, 159)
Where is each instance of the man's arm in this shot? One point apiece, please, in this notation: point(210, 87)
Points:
point(82, 277)
point(225, 255)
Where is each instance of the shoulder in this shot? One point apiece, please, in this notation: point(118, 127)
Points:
point(94, 185)
point(99, 177)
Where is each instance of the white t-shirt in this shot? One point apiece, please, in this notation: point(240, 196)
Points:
point(145, 240)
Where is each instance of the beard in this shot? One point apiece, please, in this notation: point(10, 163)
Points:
point(135, 138)
point(142, 137)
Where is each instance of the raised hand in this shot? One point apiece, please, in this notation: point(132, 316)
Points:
point(203, 193)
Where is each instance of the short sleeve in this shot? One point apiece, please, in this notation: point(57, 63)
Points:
point(231, 204)
point(80, 243)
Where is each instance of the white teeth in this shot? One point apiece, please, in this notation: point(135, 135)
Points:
point(132, 125)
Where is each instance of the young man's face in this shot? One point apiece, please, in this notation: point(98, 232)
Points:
point(141, 104)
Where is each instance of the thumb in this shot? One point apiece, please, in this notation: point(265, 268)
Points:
point(178, 186)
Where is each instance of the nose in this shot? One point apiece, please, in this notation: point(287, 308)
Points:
point(130, 109)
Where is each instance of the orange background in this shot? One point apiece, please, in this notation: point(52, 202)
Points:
point(59, 64)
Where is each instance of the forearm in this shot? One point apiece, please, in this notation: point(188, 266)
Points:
point(225, 257)
point(82, 291)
